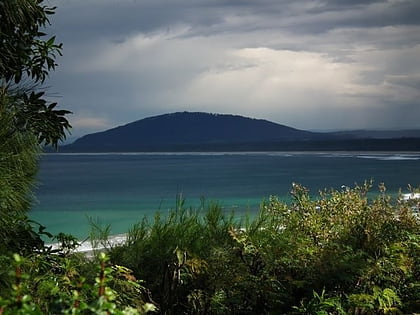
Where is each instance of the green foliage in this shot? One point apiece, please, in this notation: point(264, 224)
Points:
point(320, 305)
point(361, 253)
point(33, 113)
point(341, 241)
point(384, 301)
point(173, 254)
point(65, 291)
point(18, 162)
point(99, 236)
point(25, 61)
point(18, 166)
point(22, 50)
point(26, 118)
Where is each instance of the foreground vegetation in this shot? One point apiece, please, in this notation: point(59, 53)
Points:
point(339, 253)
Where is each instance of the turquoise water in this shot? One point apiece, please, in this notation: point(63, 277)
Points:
point(120, 189)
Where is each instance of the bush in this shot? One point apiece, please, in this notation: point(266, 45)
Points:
point(65, 291)
point(341, 243)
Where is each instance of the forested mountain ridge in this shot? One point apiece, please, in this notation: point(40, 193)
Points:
point(188, 129)
point(197, 131)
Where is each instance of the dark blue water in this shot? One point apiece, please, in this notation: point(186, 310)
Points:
point(120, 189)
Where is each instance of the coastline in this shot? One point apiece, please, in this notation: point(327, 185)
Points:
point(88, 248)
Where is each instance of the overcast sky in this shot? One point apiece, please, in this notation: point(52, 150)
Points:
point(314, 65)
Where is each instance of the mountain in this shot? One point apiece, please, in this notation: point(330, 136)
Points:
point(186, 131)
point(189, 130)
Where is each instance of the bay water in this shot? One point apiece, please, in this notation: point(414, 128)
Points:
point(121, 188)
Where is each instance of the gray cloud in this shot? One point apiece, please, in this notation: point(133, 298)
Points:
point(309, 64)
point(119, 19)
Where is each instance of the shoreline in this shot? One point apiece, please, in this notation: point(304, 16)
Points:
point(87, 248)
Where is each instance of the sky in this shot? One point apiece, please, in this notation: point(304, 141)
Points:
point(312, 65)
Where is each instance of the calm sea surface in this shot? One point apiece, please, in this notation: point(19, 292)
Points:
point(120, 189)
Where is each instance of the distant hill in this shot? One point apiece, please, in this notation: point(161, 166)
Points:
point(378, 134)
point(186, 131)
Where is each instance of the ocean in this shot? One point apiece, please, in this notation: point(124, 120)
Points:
point(121, 188)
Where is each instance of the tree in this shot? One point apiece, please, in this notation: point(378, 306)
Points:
point(18, 164)
point(26, 118)
point(26, 58)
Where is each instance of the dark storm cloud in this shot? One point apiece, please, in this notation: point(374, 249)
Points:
point(118, 19)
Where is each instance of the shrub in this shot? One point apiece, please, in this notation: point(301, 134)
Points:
point(61, 294)
point(341, 243)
